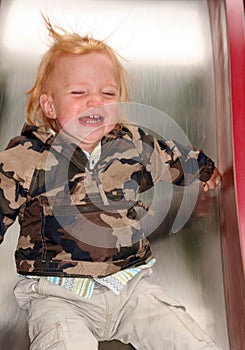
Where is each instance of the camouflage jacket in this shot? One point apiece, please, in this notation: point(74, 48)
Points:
point(80, 220)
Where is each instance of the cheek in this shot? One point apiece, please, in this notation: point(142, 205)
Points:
point(63, 119)
point(67, 109)
point(112, 110)
point(67, 122)
point(65, 115)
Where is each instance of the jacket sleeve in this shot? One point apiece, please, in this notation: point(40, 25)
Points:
point(186, 163)
point(172, 162)
point(14, 181)
point(12, 196)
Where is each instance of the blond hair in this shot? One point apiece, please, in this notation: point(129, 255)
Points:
point(64, 44)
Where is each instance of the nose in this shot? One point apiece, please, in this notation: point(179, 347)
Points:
point(94, 100)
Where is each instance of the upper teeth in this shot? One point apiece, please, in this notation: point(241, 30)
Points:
point(93, 119)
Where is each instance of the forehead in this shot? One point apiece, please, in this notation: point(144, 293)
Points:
point(83, 62)
point(95, 67)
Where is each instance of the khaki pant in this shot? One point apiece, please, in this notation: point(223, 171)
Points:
point(142, 315)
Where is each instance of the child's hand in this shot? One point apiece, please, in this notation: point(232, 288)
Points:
point(213, 182)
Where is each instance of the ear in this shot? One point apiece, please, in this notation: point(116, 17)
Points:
point(47, 105)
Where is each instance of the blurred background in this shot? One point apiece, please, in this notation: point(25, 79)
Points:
point(167, 47)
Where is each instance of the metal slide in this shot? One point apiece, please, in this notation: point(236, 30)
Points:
point(178, 53)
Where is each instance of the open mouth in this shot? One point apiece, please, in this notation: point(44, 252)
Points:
point(91, 120)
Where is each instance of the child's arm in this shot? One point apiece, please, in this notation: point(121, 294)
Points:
point(171, 161)
point(14, 181)
point(11, 198)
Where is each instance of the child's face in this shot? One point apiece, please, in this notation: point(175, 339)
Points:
point(83, 97)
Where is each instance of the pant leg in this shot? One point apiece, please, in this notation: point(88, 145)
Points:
point(151, 320)
point(53, 322)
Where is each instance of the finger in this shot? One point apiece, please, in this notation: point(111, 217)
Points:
point(205, 186)
point(217, 180)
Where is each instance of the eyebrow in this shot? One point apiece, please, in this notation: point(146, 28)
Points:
point(85, 83)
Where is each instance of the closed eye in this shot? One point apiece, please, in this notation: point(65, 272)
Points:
point(109, 93)
point(78, 92)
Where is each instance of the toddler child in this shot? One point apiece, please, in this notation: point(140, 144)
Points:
point(73, 178)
